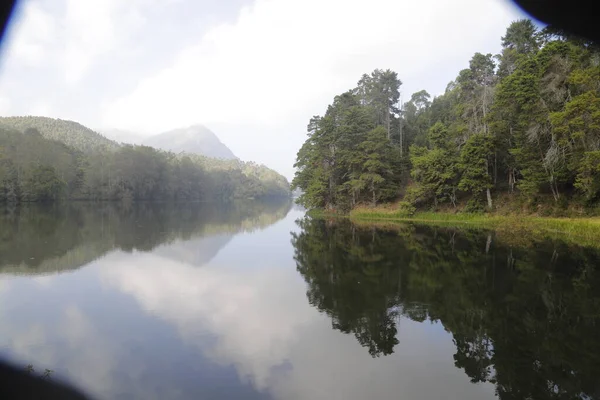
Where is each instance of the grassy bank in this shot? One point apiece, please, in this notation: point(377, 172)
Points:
point(582, 230)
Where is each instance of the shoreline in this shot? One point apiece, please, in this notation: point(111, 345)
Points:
point(581, 230)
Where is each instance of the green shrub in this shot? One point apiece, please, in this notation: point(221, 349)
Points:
point(406, 209)
point(475, 205)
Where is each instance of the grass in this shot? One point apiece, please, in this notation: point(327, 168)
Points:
point(584, 231)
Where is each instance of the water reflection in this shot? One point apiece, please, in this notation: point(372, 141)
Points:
point(522, 318)
point(140, 325)
point(211, 305)
point(42, 239)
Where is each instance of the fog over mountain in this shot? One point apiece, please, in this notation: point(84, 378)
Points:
point(196, 139)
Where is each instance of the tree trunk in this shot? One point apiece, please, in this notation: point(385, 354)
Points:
point(495, 168)
point(554, 189)
point(388, 124)
point(489, 198)
point(374, 198)
point(401, 138)
point(453, 197)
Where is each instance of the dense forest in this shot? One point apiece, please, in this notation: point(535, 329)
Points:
point(521, 125)
point(42, 159)
point(71, 133)
point(523, 318)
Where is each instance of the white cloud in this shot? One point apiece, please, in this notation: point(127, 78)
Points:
point(40, 108)
point(253, 74)
point(34, 30)
point(4, 105)
point(93, 28)
point(72, 35)
point(282, 58)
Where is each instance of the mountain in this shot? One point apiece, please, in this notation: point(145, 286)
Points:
point(122, 136)
point(71, 133)
point(196, 139)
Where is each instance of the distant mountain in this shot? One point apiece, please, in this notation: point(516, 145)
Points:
point(196, 139)
point(122, 136)
point(71, 133)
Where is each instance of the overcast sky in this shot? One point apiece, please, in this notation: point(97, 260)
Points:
point(254, 72)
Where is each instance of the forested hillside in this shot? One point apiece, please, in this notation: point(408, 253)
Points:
point(71, 133)
point(34, 168)
point(523, 124)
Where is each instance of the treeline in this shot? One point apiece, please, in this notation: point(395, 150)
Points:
point(34, 168)
point(71, 133)
point(523, 122)
point(522, 318)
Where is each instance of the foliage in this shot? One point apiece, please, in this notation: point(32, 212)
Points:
point(350, 156)
point(524, 121)
point(71, 133)
point(588, 177)
point(406, 209)
point(434, 168)
point(35, 168)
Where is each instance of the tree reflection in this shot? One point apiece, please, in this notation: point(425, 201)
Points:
point(523, 318)
point(40, 238)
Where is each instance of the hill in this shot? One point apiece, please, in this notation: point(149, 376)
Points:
point(258, 180)
point(71, 133)
point(36, 168)
point(195, 139)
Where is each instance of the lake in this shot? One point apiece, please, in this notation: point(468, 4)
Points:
point(257, 301)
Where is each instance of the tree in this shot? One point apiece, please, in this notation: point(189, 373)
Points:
point(520, 41)
point(42, 184)
point(380, 91)
point(416, 120)
point(588, 177)
point(36, 168)
point(346, 160)
point(474, 164)
point(434, 169)
point(377, 171)
point(526, 122)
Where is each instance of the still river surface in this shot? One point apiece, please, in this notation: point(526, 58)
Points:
point(257, 301)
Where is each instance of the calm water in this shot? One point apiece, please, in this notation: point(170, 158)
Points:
point(256, 301)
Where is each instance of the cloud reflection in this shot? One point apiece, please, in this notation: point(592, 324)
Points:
point(150, 325)
point(264, 326)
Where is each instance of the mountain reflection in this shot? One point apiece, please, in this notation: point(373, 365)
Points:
point(522, 318)
point(42, 239)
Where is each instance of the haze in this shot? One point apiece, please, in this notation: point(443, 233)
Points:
point(254, 72)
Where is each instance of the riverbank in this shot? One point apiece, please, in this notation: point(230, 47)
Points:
point(583, 230)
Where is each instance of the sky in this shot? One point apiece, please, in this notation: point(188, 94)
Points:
point(253, 71)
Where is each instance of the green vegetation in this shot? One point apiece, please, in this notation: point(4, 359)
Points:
point(70, 133)
point(522, 126)
point(578, 230)
point(35, 167)
point(522, 318)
